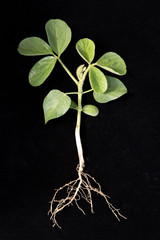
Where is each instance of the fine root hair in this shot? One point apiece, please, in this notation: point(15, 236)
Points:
point(81, 188)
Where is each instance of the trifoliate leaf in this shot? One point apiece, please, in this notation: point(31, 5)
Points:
point(86, 49)
point(112, 62)
point(115, 90)
point(34, 46)
point(73, 105)
point(59, 35)
point(98, 80)
point(55, 104)
point(41, 70)
point(90, 110)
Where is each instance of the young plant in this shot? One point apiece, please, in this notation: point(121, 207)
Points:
point(105, 88)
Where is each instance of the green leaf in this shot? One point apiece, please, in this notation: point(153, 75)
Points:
point(115, 90)
point(55, 104)
point(59, 35)
point(41, 70)
point(90, 110)
point(112, 62)
point(98, 80)
point(73, 105)
point(86, 49)
point(34, 46)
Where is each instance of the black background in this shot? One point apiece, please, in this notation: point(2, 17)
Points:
point(121, 145)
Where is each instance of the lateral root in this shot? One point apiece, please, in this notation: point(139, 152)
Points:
point(78, 189)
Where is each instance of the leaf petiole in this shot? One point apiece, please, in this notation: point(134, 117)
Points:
point(68, 93)
point(67, 70)
point(90, 90)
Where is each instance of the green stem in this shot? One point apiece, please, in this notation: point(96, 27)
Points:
point(78, 124)
point(77, 130)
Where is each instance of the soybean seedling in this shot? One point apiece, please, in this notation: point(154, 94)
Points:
point(57, 103)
